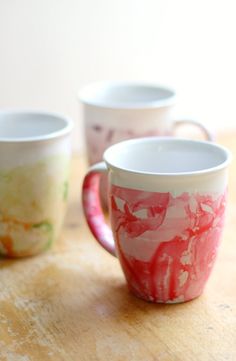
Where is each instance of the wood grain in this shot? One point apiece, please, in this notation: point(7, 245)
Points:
point(71, 303)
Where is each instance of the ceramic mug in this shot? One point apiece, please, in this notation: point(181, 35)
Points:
point(34, 169)
point(116, 111)
point(167, 200)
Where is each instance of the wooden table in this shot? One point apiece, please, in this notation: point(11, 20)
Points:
point(72, 303)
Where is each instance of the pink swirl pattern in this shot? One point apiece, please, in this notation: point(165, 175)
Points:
point(93, 212)
point(166, 244)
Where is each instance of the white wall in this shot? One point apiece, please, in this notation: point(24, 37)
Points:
point(50, 48)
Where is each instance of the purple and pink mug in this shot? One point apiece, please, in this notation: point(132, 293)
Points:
point(167, 199)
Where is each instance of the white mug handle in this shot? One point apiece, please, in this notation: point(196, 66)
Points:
point(206, 132)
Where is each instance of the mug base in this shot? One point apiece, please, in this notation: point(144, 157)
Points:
point(151, 299)
point(16, 254)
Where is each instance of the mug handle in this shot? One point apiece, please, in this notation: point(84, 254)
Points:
point(93, 210)
point(206, 132)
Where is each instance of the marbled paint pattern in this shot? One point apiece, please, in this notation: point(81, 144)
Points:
point(93, 212)
point(166, 244)
point(32, 205)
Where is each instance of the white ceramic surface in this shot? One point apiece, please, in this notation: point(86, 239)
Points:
point(168, 164)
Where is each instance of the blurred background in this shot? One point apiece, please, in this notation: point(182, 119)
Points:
point(52, 48)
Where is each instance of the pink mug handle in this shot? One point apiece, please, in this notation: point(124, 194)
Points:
point(206, 132)
point(93, 210)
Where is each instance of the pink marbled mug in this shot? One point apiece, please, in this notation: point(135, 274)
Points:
point(115, 111)
point(167, 202)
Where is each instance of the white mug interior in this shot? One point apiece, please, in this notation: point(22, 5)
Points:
point(26, 125)
point(126, 95)
point(167, 156)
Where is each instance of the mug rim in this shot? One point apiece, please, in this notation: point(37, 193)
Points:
point(84, 95)
point(64, 130)
point(227, 153)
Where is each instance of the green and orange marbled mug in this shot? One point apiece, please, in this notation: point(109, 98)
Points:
point(34, 169)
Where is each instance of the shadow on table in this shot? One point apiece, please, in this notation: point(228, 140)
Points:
point(7, 262)
point(115, 302)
